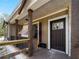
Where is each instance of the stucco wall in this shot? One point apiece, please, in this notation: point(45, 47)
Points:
point(12, 29)
point(44, 31)
point(8, 30)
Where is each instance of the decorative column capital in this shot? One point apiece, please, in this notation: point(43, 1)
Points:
point(26, 19)
point(30, 10)
point(16, 20)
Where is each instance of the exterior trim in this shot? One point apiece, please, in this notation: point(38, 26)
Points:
point(68, 34)
point(64, 9)
point(15, 10)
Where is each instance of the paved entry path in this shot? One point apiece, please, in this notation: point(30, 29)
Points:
point(38, 54)
point(48, 54)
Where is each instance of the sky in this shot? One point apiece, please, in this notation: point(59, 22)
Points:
point(8, 6)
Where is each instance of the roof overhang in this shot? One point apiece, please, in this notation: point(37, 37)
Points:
point(31, 4)
point(22, 6)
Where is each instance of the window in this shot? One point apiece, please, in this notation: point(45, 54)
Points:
point(57, 25)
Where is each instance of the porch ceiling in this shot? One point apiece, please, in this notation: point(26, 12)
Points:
point(31, 4)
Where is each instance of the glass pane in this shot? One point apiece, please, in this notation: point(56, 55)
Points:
point(61, 25)
point(57, 25)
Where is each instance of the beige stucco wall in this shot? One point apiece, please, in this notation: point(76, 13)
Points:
point(12, 30)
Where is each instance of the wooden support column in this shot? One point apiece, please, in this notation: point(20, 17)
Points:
point(16, 24)
point(30, 32)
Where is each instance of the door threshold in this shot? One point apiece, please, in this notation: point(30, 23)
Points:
point(58, 51)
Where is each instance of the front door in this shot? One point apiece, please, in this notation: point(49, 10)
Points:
point(57, 34)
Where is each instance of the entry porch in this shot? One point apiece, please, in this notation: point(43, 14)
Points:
point(40, 53)
point(48, 54)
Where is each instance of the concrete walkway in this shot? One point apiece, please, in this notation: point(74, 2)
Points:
point(39, 54)
point(48, 54)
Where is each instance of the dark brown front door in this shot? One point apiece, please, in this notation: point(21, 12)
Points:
point(57, 32)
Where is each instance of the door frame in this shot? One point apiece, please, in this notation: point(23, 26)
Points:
point(67, 33)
